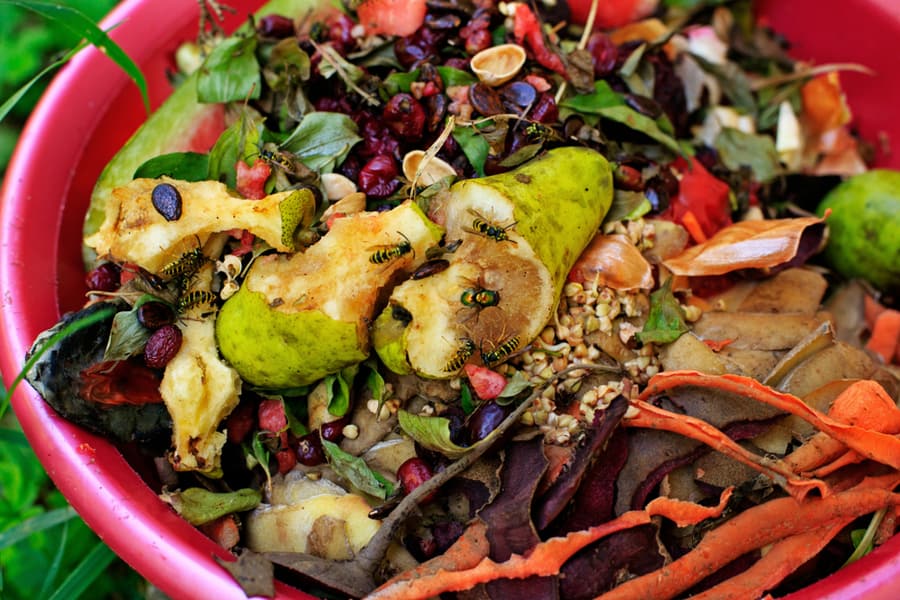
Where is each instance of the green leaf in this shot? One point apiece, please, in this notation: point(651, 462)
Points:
point(515, 385)
point(235, 143)
point(402, 81)
point(198, 505)
point(627, 206)
point(338, 390)
point(356, 471)
point(127, 337)
point(186, 166)
point(473, 145)
point(230, 73)
point(260, 454)
point(665, 323)
point(738, 149)
point(322, 139)
point(288, 65)
point(432, 433)
point(40, 522)
point(466, 401)
point(20, 93)
point(50, 575)
point(81, 578)
point(607, 103)
point(453, 77)
point(83, 27)
point(734, 82)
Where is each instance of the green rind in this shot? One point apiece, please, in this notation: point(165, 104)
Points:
point(389, 342)
point(864, 228)
point(274, 351)
point(295, 210)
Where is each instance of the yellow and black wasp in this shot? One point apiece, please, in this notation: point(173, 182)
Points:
point(482, 226)
point(463, 352)
point(194, 299)
point(186, 265)
point(385, 254)
point(500, 352)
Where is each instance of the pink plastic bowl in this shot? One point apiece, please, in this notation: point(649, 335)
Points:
point(91, 109)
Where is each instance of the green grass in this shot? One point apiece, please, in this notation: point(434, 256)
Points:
point(46, 550)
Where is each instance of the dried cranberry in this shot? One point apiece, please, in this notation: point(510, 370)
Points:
point(154, 315)
point(287, 460)
point(436, 107)
point(476, 33)
point(105, 278)
point(485, 420)
point(333, 431)
point(340, 27)
point(162, 346)
point(545, 110)
point(418, 47)
point(604, 54)
point(404, 116)
point(275, 27)
point(413, 473)
point(378, 177)
point(377, 139)
point(309, 450)
point(240, 422)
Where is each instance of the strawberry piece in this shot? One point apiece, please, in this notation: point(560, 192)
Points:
point(392, 17)
point(251, 181)
point(486, 384)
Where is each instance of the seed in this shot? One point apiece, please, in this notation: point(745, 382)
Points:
point(162, 346)
point(351, 432)
point(154, 315)
point(167, 201)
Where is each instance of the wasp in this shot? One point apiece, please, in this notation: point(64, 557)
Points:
point(501, 352)
point(389, 253)
point(482, 226)
point(195, 298)
point(463, 352)
point(185, 265)
point(285, 161)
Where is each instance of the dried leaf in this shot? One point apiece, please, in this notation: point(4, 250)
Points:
point(254, 573)
point(746, 245)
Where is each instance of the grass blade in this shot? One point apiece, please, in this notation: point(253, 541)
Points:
point(14, 437)
point(50, 575)
point(82, 26)
point(85, 573)
point(14, 99)
point(35, 524)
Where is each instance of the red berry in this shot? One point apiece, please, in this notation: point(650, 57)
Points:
point(162, 346)
point(287, 460)
point(333, 431)
point(404, 115)
point(240, 422)
point(378, 178)
point(309, 450)
point(272, 416)
point(413, 473)
point(154, 315)
point(105, 278)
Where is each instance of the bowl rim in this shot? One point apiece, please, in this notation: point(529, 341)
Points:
point(88, 469)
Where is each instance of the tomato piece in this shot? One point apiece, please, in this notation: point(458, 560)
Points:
point(612, 13)
point(486, 384)
point(392, 17)
point(702, 195)
point(251, 181)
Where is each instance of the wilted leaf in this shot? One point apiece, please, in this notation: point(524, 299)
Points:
point(254, 573)
point(746, 245)
point(738, 149)
point(356, 471)
point(186, 166)
point(665, 323)
point(432, 433)
point(198, 505)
